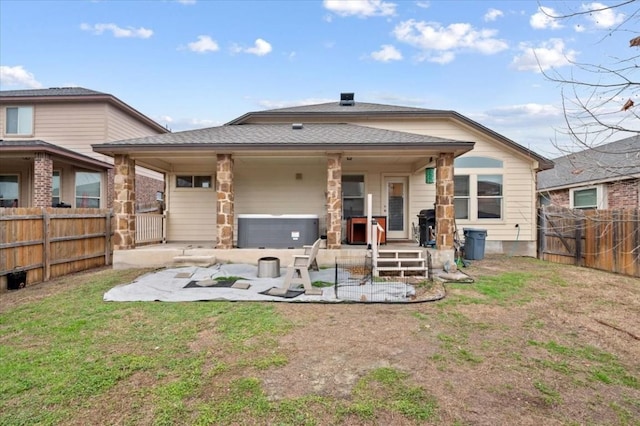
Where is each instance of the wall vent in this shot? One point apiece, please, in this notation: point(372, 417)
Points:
point(297, 126)
point(346, 99)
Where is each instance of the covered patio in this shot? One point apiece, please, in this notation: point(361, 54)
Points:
point(279, 169)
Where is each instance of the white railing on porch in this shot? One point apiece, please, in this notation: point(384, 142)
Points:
point(149, 228)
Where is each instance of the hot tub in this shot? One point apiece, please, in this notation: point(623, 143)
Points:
point(277, 231)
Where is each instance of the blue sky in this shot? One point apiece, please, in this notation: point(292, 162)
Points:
point(199, 63)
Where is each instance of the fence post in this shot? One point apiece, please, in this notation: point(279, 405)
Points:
point(46, 243)
point(542, 226)
point(107, 238)
point(578, 237)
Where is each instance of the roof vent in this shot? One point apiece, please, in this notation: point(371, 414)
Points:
point(346, 99)
point(296, 126)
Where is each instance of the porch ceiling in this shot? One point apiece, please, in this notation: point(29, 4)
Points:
point(181, 160)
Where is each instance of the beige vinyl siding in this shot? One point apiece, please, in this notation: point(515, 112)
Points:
point(518, 178)
point(269, 186)
point(76, 126)
point(191, 213)
point(72, 126)
point(122, 126)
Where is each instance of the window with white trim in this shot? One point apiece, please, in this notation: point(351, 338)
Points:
point(55, 188)
point(461, 196)
point(587, 198)
point(478, 188)
point(19, 120)
point(193, 181)
point(352, 195)
point(88, 189)
point(9, 191)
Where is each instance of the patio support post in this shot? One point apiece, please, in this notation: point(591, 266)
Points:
point(42, 180)
point(445, 213)
point(334, 201)
point(224, 189)
point(124, 203)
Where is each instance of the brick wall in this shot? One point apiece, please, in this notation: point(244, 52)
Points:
point(620, 195)
point(146, 189)
point(42, 170)
point(624, 194)
point(560, 198)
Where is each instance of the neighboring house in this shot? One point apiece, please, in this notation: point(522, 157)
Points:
point(45, 147)
point(602, 177)
point(323, 160)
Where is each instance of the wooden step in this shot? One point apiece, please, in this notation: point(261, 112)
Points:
point(203, 261)
point(401, 251)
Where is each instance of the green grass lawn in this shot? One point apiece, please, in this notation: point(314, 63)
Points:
point(70, 358)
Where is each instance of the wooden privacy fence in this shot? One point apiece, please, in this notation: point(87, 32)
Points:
point(47, 242)
point(601, 239)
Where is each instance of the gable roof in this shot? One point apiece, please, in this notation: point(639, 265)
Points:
point(53, 91)
point(339, 112)
point(613, 161)
point(30, 145)
point(75, 94)
point(309, 136)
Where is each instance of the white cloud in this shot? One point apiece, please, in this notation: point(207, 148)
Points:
point(203, 45)
point(187, 2)
point(442, 58)
point(549, 54)
point(602, 16)
point(440, 44)
point(544, 19)
point(181, 124)
point(117, 31)
point(493, 14)
point(423, 4)
point(525, 111)
point(18, 76)
point(260, 48)
point(360, 8)
point(387, 53)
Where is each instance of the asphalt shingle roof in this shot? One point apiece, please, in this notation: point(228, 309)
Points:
point(357, 107)
point(53, 91)
point(40, 145)
point(283, 134)
point(613, 160)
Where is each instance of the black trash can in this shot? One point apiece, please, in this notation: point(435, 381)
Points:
point(426, 220)
point(474, 240)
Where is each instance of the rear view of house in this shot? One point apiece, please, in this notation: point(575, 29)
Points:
point(323, 160)
point(45, 147)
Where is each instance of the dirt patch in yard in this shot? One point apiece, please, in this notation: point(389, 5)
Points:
point(526, 360)
point(528, 343)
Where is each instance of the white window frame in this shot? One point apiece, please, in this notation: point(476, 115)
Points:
point(601, 198)
point(9, 201)
point(353, 197)
point(30, 123)
point(53, 203)
point(473, 173)
point(75, 190)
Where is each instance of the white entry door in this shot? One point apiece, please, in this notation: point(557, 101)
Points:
point(395, 207)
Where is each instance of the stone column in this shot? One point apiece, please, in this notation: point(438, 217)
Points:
point(42, 180)
point(334, 201)
point(445, 213)
point(124, 203)
point(224, 189)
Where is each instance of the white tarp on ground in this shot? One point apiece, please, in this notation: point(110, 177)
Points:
point(168, 285)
